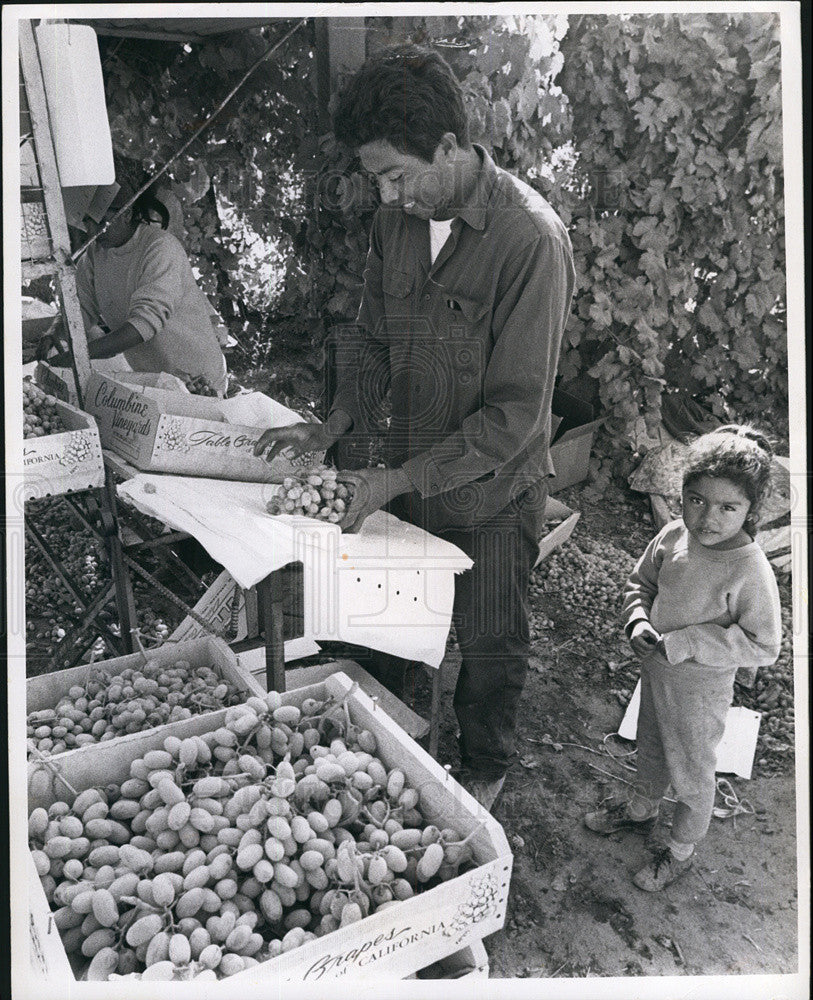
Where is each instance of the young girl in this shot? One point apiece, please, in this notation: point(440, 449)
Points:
point(701, 602)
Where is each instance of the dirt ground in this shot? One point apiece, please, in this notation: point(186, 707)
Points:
point(573, 910)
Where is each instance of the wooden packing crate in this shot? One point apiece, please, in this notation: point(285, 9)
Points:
point(555, 509)
point(159, 430)
point(45, 690)
point(50, 463)
point(394, 943)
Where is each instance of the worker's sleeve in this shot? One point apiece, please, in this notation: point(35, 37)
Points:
point(165, 271)
point(642, 585)
point(527, 324)
point(87, 293)
point(755, 638)
point(362, 352)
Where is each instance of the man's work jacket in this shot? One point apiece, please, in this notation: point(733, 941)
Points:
point(468, 347)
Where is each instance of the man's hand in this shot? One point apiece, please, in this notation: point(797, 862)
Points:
point(303, 438)
point(644, 639)
point(374, 488)
point(300, 438)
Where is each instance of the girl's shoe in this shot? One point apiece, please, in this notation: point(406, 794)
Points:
point(662, 870)
point(615, 817)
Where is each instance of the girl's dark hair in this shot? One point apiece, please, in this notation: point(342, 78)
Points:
point(406, 95)
point(740, 454)
point(130, 174)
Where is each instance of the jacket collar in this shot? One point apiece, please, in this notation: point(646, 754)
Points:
point(474, 210)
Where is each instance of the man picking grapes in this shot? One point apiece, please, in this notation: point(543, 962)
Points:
point(467, 288)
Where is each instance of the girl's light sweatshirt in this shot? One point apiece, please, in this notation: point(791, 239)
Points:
point(716, 608)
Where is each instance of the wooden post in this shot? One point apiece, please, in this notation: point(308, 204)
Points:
point(434, 719)
point(125, 601)
point(270, 594)
point(341, 48)
point(52, 197)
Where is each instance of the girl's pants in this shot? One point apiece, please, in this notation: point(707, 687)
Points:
point(680, 724)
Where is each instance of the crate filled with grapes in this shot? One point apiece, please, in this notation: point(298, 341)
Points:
point(68, 710)
point(301, 837)
point(61, 447)
point(157, 429)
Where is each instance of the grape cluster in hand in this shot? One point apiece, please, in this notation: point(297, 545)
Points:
point(315, 492)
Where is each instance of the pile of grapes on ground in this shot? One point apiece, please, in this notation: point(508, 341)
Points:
point(581, 583)
point(228, 849)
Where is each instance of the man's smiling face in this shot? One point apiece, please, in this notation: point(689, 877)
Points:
point(418, 187)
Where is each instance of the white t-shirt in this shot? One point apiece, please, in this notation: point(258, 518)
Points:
point(438, 234)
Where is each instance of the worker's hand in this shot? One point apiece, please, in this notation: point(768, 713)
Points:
point(373, 489)
point(305, 437)
point(644, 639)
point(300, 438)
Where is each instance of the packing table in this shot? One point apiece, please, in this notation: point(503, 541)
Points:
point(390, 587)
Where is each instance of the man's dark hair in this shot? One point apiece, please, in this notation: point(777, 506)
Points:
point(406, 95)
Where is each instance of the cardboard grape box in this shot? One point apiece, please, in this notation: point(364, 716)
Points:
point(158, 430)
point(45, 690)
point(58, 382)
point(393, 943)
point(63, 462)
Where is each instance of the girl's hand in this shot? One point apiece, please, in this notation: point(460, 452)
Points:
point(644, 639)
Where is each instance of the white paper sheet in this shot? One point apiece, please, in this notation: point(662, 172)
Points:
point(254, 409)
point(389, 587)
point(735, 754)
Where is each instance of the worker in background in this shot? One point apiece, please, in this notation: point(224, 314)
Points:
point(139, 297)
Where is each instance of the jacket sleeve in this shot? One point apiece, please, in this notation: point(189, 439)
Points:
point(753, 640)
point(527, 326)
point(165, 273)
point(642, 586)
point(362, 354)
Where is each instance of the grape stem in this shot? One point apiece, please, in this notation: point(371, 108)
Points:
point(43, 760)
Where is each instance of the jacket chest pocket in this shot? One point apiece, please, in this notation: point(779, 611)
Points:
point(397, 286)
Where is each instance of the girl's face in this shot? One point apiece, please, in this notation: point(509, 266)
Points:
point(714, 512)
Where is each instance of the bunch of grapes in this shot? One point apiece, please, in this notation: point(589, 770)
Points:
point(199, 385)
point(313, 492)
point(174, 438)
point(228, 849)
point(483, 901)
point(40, 416)
point(587, 579)
point(112, 705)
point(79, 449)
